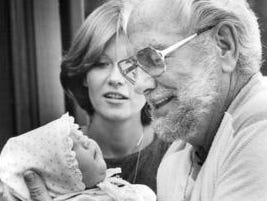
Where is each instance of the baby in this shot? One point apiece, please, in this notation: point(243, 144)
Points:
point(71, 165)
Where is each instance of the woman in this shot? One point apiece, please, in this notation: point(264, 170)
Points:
point(119, 117)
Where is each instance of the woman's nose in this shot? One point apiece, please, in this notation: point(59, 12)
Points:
point(115, 78)
point(144, 83)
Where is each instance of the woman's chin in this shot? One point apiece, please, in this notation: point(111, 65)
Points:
point(116, 115)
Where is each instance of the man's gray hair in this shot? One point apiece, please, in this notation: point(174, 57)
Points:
point(196, 14)
point(238, 13)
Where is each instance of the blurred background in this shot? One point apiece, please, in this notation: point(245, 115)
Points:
point(34, 34)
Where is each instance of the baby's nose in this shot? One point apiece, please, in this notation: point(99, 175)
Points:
point(86, 142)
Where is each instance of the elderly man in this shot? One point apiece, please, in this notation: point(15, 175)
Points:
point(197, 62)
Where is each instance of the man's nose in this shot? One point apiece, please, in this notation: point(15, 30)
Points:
point(143, 82)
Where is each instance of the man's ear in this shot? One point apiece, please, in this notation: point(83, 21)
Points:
point(226, 39)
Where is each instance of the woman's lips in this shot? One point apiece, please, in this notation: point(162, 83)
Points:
point(115, 95)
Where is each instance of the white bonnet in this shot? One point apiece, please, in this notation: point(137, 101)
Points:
point(48, 151)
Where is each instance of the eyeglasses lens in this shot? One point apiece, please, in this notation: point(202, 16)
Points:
point(128, 69)
point(151, 61)
point(148, 59)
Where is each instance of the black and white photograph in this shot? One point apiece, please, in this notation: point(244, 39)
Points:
point(133, 100)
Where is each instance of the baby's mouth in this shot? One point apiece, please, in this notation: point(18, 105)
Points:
point(95, 154)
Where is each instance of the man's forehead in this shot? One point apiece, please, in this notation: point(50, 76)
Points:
point(153, 23)
point(154, 39)
point(153, 14)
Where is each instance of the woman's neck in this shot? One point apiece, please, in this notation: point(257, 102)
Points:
point(119, 138)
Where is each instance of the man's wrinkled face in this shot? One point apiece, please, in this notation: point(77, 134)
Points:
point(182, 110)
point(183, 97)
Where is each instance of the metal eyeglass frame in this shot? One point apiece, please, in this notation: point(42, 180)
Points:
point(161, 53)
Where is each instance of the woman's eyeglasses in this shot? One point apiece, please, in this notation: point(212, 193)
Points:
point(150, 60)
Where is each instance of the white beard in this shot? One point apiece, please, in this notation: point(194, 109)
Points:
point(195, 99)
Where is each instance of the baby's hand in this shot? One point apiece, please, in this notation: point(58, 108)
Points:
point(36, 187)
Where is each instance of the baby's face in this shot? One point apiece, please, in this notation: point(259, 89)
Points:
point(90, 159)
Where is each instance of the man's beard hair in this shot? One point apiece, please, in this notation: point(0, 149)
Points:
point(195, 99)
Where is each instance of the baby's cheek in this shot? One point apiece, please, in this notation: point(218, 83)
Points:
point(83, 157)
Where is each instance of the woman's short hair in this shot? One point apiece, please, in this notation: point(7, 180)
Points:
point(88, 45)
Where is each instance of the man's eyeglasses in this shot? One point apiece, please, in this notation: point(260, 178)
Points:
point(150, 60)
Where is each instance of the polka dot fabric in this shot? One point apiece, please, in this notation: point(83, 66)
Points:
point(48, 151)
